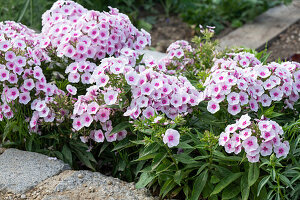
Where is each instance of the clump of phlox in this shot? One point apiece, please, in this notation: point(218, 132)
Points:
point(242, 81)
point(257, 138)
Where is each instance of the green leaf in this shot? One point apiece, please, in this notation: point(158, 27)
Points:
point(67, 154)
point(144, 180)
point(285, 180)
point(167, 187)
point(178, 177)
point(225, 182)
point(253, 173)
point(199, 185)
point(184, 158)
point(23, 11)
point(245, 189)
point(230, 192)
point(83, 157)
point(123, 144)
point(119, 127)
point(157, 159)
point(262, 183)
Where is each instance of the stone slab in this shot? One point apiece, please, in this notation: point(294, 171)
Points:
point(264, 28)
point(20, 171)
point(155, 54)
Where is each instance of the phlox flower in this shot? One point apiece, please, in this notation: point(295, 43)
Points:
point(282, 150)
point(44, 112)
point(149, 112)
point(233, 98)
point(103, 114)
point(234, 109)
point(231, 128)
point(171, 137)
point(265, 100)
point(86, 119)
point(110, 97)
point(71, 89)
point(13, 93)
point(92, 108)
point(102, 80)
point(230, 146)
point(28, 84)
point(78, 123)
point(20, 61)
point(142, 101)
point(121, 135)
point(253, 105)
point(4, 75)
point(244, 121)
point(262, 71)
point(224, 137)
point(266, 149)
point(110, 137)
point(10, 56)
point(250, 144)
point(213, 107)
point(24, 98)
point(244, 134)
point(253, 159)
point(265, 126)
point(74, 77)
point(147, 88)
point(132, 78)
point(98, 136)
point(40, 105)
point(176, 100)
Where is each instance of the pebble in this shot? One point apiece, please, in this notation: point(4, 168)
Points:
point(23, 196)
point(80, 176)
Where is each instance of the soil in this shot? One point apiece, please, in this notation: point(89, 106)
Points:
point(286, 44)
point(167, 30)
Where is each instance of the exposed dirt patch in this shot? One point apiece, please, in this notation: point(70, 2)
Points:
point(167, 30)
point(286, 44)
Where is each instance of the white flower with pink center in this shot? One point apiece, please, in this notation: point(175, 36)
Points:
point(92, 108)
point(4, 75)
point(224, 137)
point(276, 94)
point(267, 135)
point(24, 98)
point(110, 137)
point(13, 93)
point(147, 89)
point(233, 98)
point(253, 159)
point(103, 114)
point(234, 109)
point(86, 119)
point(77, 123)
point(265, 100)
point(231, 128)
point(262, 71)
point(213, 107)
point(28, 84)
point(253, 105)
point(282, 150)
point(142, 101)
point(266, 148)
point(244, 134)
point(149, 112)
point(171, 138)
point(71, 89)
point(98, 136)
point(244, 121)
point(176, 100)
point(110, 97)
point(229, 146)
point(74, 77)
point(121, 135)
point(102, 80)
point(250, 144)
point(132, 78)
point(10, 56)
point(265, 126)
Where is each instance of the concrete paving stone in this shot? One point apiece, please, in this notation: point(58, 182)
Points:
point(264, 28)
point(20, 171)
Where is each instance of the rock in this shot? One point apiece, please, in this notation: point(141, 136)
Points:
point(23, 196)
point(264, 27)
point(68, 185)
point(21, 170)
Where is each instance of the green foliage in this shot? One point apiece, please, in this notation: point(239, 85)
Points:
point(224, 13)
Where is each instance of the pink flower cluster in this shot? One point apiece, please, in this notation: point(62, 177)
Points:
point(81, 34)
point(22, 80)
point(154, 91)
point(261, 138)
point(243, 81)
point(171, 138)
point(176, 58)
